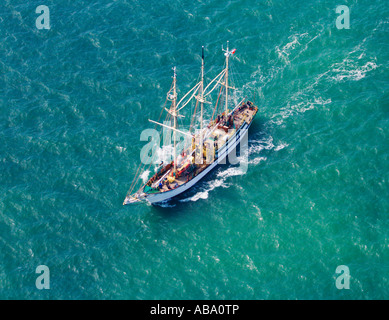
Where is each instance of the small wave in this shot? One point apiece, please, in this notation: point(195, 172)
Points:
point(287, 49)
point(121, 149)
point(230, 172)
point(205, 192)
point(257, 160)
point(347, 71)
point(299, 107)
point(197, 196)
point(256, 146)
point(281, 146)
point(258, 212)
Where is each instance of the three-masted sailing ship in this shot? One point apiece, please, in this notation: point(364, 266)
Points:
point(209, 146)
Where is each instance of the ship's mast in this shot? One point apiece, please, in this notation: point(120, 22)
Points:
point(172, 96)
point(202, 95)
point(174, 117)
point(226, 82)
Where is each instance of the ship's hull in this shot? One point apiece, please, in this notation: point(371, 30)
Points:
point(230, 145)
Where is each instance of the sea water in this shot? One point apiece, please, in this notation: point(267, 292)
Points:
point(76, 96)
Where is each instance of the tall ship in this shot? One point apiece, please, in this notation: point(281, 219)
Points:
point(208, 145)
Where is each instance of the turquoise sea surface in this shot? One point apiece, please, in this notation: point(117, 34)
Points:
point(75, 98)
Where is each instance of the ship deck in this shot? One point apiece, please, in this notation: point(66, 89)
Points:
point(244, 113)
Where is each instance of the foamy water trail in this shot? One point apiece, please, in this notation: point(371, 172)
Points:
point(353, 67)
point(287, 49)
point(209, 186)
point(349, 70)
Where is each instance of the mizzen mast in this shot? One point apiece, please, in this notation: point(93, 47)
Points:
point(226, 82)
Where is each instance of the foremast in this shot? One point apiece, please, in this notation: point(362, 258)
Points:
point(173, 112)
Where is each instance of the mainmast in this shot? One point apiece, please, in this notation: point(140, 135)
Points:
point(226, 82)
point(174, 113)
point(202, 94)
